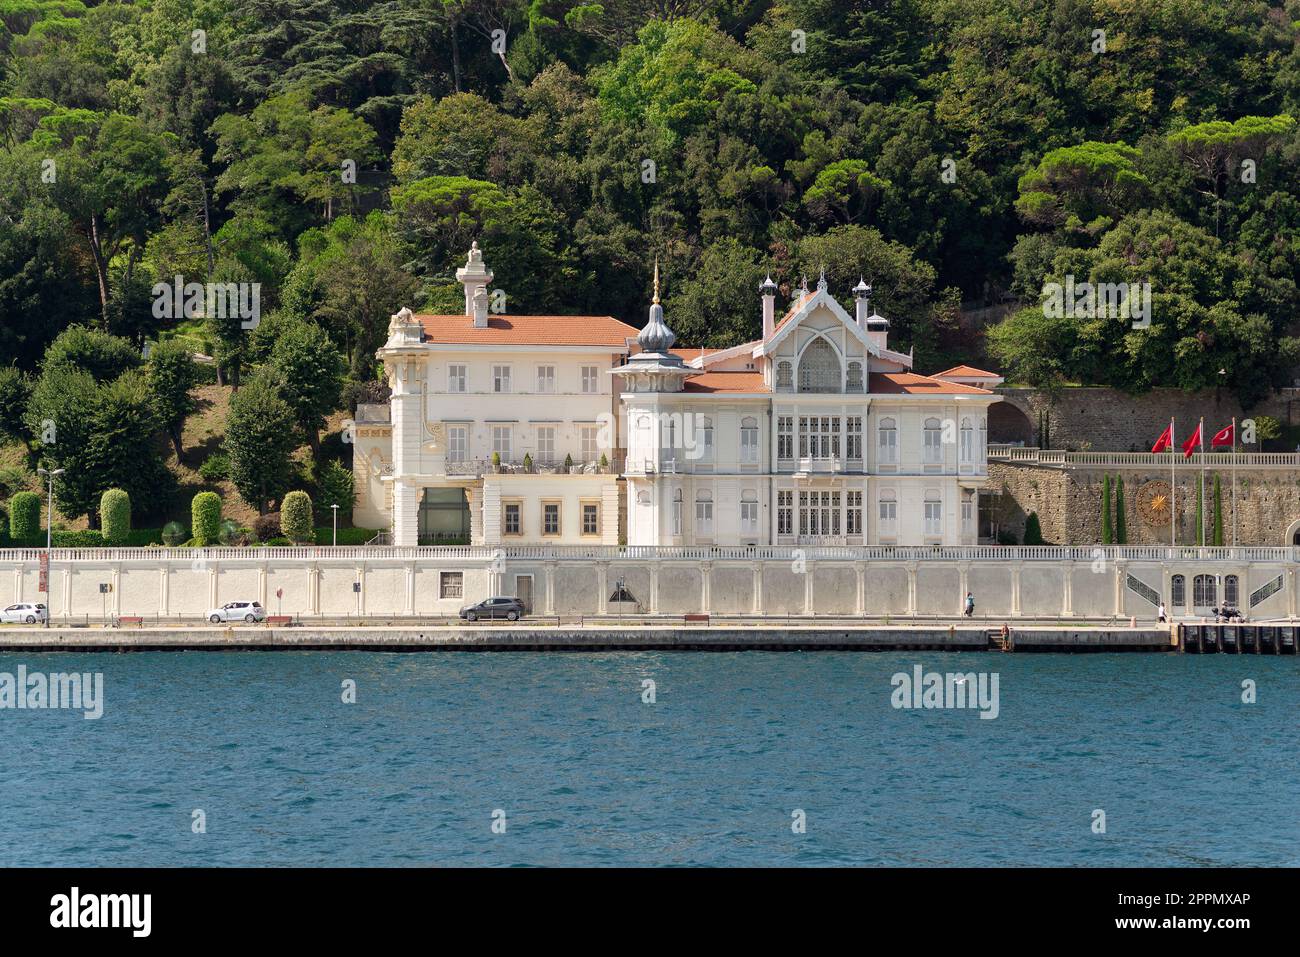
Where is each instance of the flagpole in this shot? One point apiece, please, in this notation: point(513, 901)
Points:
point(1234, 481)
point(1200, 434)
point(1173, 494)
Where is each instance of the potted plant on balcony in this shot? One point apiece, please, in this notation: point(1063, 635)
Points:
point(528, 462)
point(569, 466)
point(604, 462)
point(496, 461)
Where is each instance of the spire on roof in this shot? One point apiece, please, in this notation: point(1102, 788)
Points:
point(821, 280)
point(656, 336)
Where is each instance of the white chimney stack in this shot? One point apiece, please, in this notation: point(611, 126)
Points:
point(862, 303)
point(475, 276)
point(768, 289)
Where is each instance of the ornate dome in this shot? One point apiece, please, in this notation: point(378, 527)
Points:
point(656, 336)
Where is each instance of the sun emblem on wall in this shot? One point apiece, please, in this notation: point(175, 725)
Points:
point(1154, 502)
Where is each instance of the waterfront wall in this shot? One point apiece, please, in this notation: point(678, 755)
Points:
point(896, 583)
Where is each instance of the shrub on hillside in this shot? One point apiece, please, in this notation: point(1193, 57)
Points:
point(4, 527)
point(216, 467)
point(267, 527)
point(78, 538)
point(1033, 530)
point(296, 517)
point(115, 516)
point(173, 533)
point(205, 518)
point(25, 518)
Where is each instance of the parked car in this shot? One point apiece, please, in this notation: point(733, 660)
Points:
point(511, 609)
point(249, 611)
point(25, 612)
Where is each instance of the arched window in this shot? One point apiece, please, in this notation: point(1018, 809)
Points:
point(933, 515)
point(854, 378)
point(888, 524)
point(933, 449)
point(887, 442)
point(819, 368)
point(1178, 591)
point(706, 438)
point(1205, 591)
point(703, 513)
point(784, 376)
point(749, 440)
point(1230, 591)
point(967, 444)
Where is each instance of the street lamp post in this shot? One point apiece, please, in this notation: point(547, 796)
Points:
point(49, 533)
point(335, 510)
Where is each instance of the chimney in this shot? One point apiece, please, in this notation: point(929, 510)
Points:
point(475, 276)
point(768, 289)
point(862, 302)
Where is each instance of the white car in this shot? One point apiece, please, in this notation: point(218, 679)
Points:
point(249, 611)
point(26, 613)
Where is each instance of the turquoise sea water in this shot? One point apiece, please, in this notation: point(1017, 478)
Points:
point(588, 774)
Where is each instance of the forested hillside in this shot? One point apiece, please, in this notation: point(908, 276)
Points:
point(954, 152)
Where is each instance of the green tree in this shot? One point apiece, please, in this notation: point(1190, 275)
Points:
point(296, 517)
point(1218, 512)
point(307, 371)
point(1082, 188)
point(25, 518)
point(337, 487)
point(260, 443)
point(115, 516)
point(1107, 536)
point(1121, 519)
point(205, 518)
point(172, 374)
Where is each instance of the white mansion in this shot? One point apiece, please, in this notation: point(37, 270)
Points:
point(582, 429)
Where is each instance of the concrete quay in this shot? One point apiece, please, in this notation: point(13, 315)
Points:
point(590, 638)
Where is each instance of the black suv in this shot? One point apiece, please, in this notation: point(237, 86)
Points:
point(511, 609)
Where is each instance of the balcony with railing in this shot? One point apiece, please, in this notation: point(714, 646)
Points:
point(478, 467)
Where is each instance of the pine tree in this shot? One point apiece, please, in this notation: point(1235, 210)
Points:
point(1107, 538)
point(1218, 512)
point(1121, 523)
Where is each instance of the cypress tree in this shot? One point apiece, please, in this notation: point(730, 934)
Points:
point(1107, 538)
point(1121, 523)
point(1033, 530)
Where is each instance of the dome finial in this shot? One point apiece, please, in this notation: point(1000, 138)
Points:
point(656, 298)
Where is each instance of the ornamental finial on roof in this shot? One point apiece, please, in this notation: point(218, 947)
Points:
point(656, 297)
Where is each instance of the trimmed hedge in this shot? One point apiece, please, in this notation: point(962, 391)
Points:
point(205, 518)
point(115, 516)
point(25, 517)
point(347, 536)
point(296, 517)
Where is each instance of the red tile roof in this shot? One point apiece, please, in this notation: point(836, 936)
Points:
point(966, 372)
point(909, 383)
point(726, 382)
point(529, 331)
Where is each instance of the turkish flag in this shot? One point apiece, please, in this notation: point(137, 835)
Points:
point(1193, 441)
point(1166, 439)
point(1225, 436)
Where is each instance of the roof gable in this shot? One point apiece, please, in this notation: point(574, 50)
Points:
point(803, 308)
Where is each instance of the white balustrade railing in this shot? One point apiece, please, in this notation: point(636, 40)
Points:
point(694, 553)
point(1148, 460)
